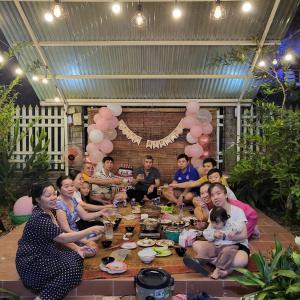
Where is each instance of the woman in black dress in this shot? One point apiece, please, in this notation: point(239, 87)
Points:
point(45, 266)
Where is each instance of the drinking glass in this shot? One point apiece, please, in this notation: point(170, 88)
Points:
point(108, 229)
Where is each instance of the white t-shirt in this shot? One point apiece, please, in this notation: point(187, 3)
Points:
point(237, 215)
point(230, 193)
point(77, 196)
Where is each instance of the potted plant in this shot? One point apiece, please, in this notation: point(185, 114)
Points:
point(277, 277)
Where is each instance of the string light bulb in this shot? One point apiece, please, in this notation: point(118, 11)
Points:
point(177, 13)
point(262, 64)
point(218, 12)
point(34, 78)
point(116, 8)
point(1, 58)
point(247, 7)
point(48, 17)
point(139, 20)
point(274, 62)
point(56, 99)
point(57, 10)
point(288, 57)
point(19, 71)
point(45, 80)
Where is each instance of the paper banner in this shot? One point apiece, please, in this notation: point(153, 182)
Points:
point(166, 140)
point(129, 133)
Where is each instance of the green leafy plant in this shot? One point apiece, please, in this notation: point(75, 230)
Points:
point(277, 277)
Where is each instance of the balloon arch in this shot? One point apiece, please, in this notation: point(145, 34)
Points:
point(103, 132)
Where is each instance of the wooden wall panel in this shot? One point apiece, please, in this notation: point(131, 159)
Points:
point(153, 124)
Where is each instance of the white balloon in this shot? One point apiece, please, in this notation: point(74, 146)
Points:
point(204, 116)
point(96, 136)
point(115, 108)
point(110, 134)
point(191, 139)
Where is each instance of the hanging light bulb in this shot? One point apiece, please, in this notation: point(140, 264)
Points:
point(57, 10)
point(288, 57)
point(35, 78)
point(45, 81)
point(218, 12)
point(1, 58)
point(56, 99)
point(274, 62)
point(139, 20)
point(247, 7)
point(177, 13)
point(116, 8)
point(262, 64)
point(49, 17)
point(19, 71)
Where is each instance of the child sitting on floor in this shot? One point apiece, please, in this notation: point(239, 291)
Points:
point(220, 231)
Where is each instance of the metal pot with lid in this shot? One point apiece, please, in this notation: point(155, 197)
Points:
point(153, 283)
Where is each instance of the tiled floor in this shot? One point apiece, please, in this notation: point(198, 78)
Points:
point(184, 283)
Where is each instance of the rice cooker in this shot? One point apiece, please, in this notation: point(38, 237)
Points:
point(153, 283)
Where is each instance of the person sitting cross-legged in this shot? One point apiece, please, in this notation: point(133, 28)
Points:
point(185, 173)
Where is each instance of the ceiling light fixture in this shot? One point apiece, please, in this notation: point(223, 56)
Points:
point(56, 99)
point(288, 57)
point(218, 12)
point(116, 8)
point(274, 62)
point(139, 20)
point(35, 78)
point(1, 58)
point(247, 6)
point(176, 13)
point(48, 17)
point(57, 10)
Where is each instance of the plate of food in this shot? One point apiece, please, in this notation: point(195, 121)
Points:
point(162, 251)
point(165, 243)
point(115, 267)
point(129, 245)
point(146, 242)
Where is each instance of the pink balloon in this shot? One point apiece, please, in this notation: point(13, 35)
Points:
point(192, 107)
point(105, 113)
point(103, 124)
point(91, 127)
point(189, 122)
point(91, 147)
point(204, 115)
point(96, 157)
point(192, 114)
point(207, 128)
point(106, 146)
point(196, 131)
point(187, 150)
point(205, 154)
point(23, 206)
point(191, 139)
point(196, 150)
point(96, 117)
point(196, 162)
point(113, 123)
point(110, 134)
point(203, 140)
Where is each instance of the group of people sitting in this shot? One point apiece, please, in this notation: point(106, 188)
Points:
point(72, 219)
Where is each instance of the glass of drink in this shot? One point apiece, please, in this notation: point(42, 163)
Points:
point(109, 231)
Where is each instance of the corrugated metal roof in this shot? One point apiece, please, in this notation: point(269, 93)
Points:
point(90, 21)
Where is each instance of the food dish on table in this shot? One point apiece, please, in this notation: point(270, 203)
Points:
point(146, 242)
point(163, 243)
point(129, 245)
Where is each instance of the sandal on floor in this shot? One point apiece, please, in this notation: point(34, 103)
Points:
point(196, 264)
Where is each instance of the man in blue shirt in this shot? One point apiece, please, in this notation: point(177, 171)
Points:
point(185, 173)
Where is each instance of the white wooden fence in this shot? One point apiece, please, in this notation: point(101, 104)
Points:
point(50, 118)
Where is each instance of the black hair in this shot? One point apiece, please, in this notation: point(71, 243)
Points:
point(73, 173)
point(37, 189)
point(183, 155)
point(209, 160)
point(214, 170)
point(204, 183)
point(219, 185)
point(107, 158)
point(218, 214)
point(61, 178)
point(149, 157)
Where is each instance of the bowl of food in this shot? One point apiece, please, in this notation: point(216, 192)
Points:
point(151, 224)
point(107, 260)
point(147, 255)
